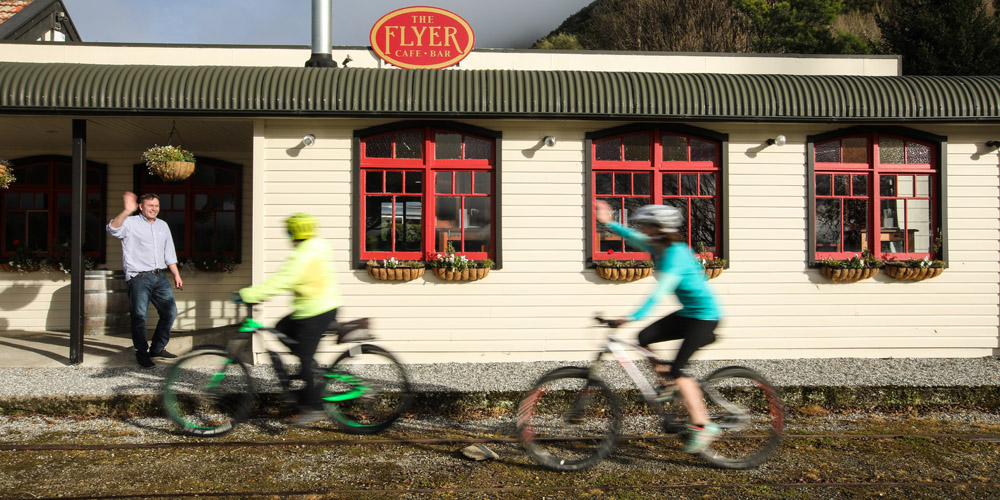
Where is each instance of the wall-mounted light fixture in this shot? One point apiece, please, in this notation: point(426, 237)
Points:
point(993, 144)
point(346, 60)
point(309, 140)
point(776, 141)
point(550, 140)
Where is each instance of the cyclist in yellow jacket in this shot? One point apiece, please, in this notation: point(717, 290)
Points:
point(308, 272)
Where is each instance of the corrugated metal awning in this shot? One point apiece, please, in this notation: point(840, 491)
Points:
point(84, 89)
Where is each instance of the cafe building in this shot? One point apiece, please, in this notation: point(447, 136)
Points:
point(779, 164)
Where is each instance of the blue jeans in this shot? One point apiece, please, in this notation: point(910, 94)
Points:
point(144, 288)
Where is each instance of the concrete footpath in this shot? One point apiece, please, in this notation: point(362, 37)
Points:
point(35, 377)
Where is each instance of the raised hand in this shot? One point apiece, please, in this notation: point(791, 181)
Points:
point(131, 201)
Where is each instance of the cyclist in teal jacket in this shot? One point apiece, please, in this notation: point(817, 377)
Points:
point(677, 271)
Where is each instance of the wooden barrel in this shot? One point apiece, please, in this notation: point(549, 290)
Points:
point(105, 303)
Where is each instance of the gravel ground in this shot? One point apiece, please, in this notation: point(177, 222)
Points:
point(489, 377)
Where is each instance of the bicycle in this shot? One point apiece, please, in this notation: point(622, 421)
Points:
point(570, 419)
point(209, 390)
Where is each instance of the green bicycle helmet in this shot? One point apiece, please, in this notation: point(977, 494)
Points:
point(301, 226)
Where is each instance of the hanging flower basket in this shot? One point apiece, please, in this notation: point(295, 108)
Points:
point(624, 273)
point(713, 265)
point(6, 174)
point(914, 269)
point(394, 270)
point(846, 275)
point(169, 163)
point(713, 272)
point(472, 274)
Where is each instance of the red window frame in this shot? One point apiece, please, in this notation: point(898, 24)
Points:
point(481, 173)
point(195, 189)
point(657, 168)
point(876, 171)
point(52, 191)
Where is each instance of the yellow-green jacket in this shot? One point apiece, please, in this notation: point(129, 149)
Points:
point(309, 273)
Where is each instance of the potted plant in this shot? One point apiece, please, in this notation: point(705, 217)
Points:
point(62, 257)
point(914, 269)
point(623, 270)
point(170, 163)
point(6, 174)
point(452, 267)
point(23, 260)
point(856, 268)
point(395, 270)
point(220, 264)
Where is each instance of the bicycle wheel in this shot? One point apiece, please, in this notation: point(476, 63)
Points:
point(366, 390)
point(749, 410)
point(569, 420)
point(207, 392)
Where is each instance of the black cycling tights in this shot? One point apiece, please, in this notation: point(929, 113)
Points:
point(697, 333)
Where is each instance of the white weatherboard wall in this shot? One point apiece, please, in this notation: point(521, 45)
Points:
point(538, 307)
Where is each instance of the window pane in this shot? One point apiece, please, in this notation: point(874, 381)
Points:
point(856, 150)
point(608, 240)
point(477, 149)
point(623, 183)
point(447, 225)
point(203, 176)
point(64, 175)
point(702, 151)
point(177, 228)
point(379, 147)
point(890, 150)
point(463, 182)
point(410, 144)
point(13, 231)
point(827, 225)
point(923, 185)
point(894, 238)
point(674, 148)
point(378, 229)
point(482, 183)
point(38, 230)
point(373, 181)
point(891, 214)
point(689, 184)
point(824, 184)
point(63, 201)
point(703, 222)
point(225, 177)
point(631, 205)
point(204, 226)
point(27, 200)
point(165, 202)
point(828, 152)
point(93, 177)
point(840, 185)
point(200, 201)
point(708, 184)
point(93, 232)
point(179, 203)
point(449, 146)
point(393, 182)
point(477, 232)
point(224, 238)
point(414, 182)
point(215, 202)
point(917, 153)
point(604, 183)
point(860, 185)
point(608, 150)
point(918, 225)
point(35, 174)
point(640, 182)
point(637, 147)
point(41, 201)
point(670, 185)
point(409, 224)
point(63, 225)
point(856, 225)
point(11, 201)
point(229, 202)
point(93, 201)
point(887, 185)
point(905, 187)
point(682, 205)
point(442, 182)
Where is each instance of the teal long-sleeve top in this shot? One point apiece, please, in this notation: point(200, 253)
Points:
point(677, 271)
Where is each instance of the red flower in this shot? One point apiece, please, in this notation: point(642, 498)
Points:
point(610, 251)
point(17, 242)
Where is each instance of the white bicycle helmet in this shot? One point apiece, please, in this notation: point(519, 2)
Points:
point(668, 218)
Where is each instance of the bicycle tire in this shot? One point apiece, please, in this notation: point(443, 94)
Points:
point(569, 420)
point(751, 434)
point(208, 392)
point(366, 390)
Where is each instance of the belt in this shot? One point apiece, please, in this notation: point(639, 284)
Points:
point(154, 271)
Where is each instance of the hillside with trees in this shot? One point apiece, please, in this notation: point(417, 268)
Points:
point(934, 37)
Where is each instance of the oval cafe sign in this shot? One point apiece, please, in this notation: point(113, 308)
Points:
point(422, 38)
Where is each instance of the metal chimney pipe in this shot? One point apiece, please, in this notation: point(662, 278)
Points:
point(322, 35)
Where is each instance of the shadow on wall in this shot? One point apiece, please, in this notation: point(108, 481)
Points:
point(17, 294)
point(57, 318)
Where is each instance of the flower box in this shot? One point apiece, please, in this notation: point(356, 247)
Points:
point(624, 273)
point(913, 273)
point(713, 272)
point(395, 273)
point(30, 268)
point(471, 274)
point(847, 275)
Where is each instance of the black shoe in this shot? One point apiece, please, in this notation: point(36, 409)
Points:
point(143, 359)
point(162, 354)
